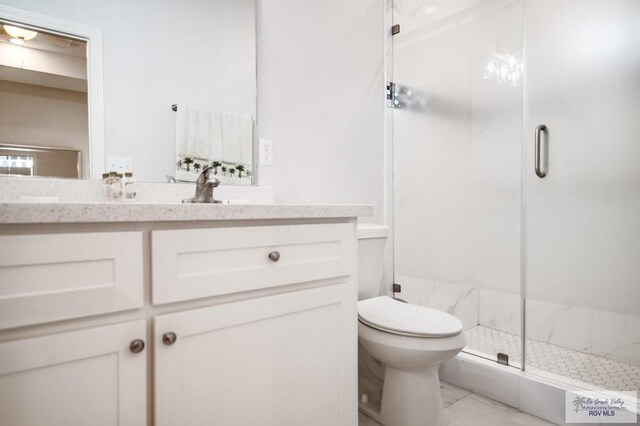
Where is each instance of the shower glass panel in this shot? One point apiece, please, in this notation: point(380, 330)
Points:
point(457, 165)
point(582, 220)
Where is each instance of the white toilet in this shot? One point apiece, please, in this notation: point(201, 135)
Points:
point(410, 341)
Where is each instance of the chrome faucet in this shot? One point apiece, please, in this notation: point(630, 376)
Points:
point(204, 188)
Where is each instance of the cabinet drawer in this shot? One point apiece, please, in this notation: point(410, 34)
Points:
point(194, 263)
point(52, 277)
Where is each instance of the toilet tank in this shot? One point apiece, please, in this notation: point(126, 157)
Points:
point(371, 243)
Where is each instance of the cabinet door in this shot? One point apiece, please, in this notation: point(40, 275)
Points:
point(288, 359)
point(86, 377)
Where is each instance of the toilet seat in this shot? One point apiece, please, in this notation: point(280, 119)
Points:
point(391, 316)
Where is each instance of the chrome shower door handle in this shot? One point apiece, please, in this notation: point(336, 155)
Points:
point(538, 155)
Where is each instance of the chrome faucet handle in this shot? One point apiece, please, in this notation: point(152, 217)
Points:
point(204, 188)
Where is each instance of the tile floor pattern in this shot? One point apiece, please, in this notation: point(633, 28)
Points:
point(587, 368)
point(462, 408)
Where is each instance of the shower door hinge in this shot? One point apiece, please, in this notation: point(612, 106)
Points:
point(395, 29)
point(397, 288)
point(503, 358)
point(392, 95)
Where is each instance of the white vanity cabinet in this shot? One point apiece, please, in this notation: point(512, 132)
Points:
point(244, 322)
point(85, 377)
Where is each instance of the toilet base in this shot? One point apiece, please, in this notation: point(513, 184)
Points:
point(411, 393)
point(408, 399)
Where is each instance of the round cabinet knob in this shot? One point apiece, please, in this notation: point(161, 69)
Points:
point(274, 256)
point(136, 346)
point(169, 338)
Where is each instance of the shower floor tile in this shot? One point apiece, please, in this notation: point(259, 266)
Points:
point(583, 367)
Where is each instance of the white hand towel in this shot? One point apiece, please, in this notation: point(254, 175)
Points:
point(214, 135)
point(237, 138)
point(198, 133)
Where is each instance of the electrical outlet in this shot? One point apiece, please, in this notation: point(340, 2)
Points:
point(266, 152)
point(119, 164)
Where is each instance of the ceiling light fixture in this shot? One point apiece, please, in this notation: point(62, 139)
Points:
point(19, 33)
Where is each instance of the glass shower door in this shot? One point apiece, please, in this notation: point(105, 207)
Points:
point(457, 154)
point(581, 217)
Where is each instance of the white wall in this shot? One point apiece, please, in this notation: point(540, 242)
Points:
point(321, 91)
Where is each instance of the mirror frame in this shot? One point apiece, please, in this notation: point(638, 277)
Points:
point(93, 38)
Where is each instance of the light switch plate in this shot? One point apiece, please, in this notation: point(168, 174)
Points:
point(266, 152)
point(119, 164)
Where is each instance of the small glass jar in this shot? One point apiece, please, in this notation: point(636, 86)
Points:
point(129, 192)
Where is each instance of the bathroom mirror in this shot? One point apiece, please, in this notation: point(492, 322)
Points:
point(149, 65)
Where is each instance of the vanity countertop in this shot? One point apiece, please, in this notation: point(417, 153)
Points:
point(95, 212)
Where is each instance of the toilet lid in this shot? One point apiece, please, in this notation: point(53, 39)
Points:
point(387, 314)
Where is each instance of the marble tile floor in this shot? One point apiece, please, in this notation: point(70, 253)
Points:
point(462, 408)
point(587, 368)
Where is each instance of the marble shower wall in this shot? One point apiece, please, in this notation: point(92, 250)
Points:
point(608, 334)
point(457, 300)
point(456, 153)
point(500, 310)
point(456, 172)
